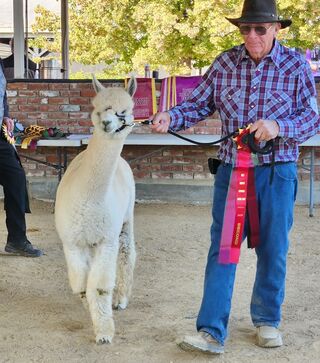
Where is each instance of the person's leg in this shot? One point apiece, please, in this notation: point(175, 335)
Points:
point(13, 180)
point(219, 278)
point(276, 204)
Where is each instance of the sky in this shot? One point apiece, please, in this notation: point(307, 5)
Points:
point(6, 13)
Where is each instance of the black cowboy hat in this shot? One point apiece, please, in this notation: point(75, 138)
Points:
point(260, 11)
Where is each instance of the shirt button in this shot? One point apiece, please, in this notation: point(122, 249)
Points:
point(252, 105)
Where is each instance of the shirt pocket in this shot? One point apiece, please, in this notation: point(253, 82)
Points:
point(229, 103)
point(278, 105)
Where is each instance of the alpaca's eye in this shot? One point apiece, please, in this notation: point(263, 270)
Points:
point(108, 108)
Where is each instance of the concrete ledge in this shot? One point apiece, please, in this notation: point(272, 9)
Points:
point(177, 192)
point(42, 188)
point(201, 192)
point(164, 191)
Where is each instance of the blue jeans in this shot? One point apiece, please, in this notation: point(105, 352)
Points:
point(276, 204)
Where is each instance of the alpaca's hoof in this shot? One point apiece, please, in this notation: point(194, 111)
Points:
point(121, 304)
point(103, 339)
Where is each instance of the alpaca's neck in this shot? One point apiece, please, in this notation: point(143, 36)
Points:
point(101, 160)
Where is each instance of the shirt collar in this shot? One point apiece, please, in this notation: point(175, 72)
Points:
point(274, 55)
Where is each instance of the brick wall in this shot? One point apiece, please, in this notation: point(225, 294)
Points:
point(67, 105)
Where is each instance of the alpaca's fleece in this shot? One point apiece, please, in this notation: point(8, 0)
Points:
point(94, 212)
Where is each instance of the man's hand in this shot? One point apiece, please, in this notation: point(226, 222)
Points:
point(160, 122)
point(9, 123)
point(265, 130)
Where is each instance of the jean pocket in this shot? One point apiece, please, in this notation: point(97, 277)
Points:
point(286, 171)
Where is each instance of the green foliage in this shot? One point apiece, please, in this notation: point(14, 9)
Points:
point(305, 30)
point(173, 34)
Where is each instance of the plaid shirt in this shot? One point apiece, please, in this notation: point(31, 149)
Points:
point(281, 87)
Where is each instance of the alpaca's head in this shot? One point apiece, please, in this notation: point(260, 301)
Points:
point(113, 108)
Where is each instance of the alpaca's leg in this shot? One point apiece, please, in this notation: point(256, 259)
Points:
point(126, 263)
point(101, 281)
point(78, 267)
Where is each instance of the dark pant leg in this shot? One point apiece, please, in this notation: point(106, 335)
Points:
point(13, 180)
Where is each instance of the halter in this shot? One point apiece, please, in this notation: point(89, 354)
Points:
point(123, 119)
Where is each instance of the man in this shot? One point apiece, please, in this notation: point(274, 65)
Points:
point(13, 181)
point(263, 84)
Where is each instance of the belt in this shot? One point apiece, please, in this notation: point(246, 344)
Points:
point(263, 165)
point(276, 163)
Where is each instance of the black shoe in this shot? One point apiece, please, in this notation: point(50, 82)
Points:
point(27, 250)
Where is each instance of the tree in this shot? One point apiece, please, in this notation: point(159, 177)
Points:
point(305, 29)
point(180, 34)
point(174, 34)
point(100, 32)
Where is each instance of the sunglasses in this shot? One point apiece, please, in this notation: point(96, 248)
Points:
point(259, 29)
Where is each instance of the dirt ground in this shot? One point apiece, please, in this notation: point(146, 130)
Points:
point(41, 321)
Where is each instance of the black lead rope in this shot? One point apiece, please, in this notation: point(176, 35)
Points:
point(247, 139)
point(267, 149)
point(203, 143)
point(149, 122)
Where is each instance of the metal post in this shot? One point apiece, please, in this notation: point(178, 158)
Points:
point(26, 46)
point(18, 39)
point(311, 182)
point(60, 163)
point(64, 39)
point(65, 159)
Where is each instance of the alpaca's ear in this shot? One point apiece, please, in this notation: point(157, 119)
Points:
point(132, 86)
point(97, 86)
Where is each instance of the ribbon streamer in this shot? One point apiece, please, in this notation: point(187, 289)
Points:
point(241, 198)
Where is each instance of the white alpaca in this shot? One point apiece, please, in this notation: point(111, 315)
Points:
point(94, 211)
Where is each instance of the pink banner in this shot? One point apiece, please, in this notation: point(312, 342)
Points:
point(175, 90)
point(144, 99)
point(185, 86)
